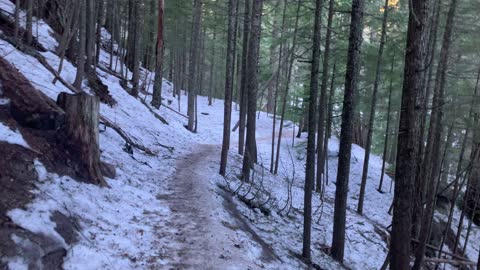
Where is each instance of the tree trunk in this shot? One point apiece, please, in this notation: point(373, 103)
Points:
point(243, 80)
point(328, 131)
point(420, 180)
point(229, 76)
point(312, 107)
point(387, 129)
point(212, 69)
point(192, 91)
point(17, 20)
point(322, 106)
point(29, 24)
point(434, 138)
point(157, 85)
point(81, 45)
point(90, 36)
point(408, 135)
point(81, 128)
point(291, 57)
point(250, 157)
point(277, 86)
point(376, 84)
point(138, 19)
point(351, 84)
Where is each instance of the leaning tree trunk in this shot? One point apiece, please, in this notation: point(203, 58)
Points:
point(82, 135)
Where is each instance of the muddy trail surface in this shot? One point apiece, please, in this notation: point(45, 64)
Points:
point(207, 229)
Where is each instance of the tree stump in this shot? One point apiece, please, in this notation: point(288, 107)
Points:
point(82, 135)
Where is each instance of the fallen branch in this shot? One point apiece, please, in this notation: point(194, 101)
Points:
point(179, 113)
point(154, 113)
point(110, 72)
point(125, 136)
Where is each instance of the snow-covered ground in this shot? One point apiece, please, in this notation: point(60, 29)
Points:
point(138, 222)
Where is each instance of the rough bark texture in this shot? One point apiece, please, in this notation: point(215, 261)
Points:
point(192, 88)
point(81, 46)
point(312, 107)
point(408, 134)
point(432, 155)
point(250, 156)
point(229, 74)
point(81, 128)
point(157, 85)
point(351, 84)
point(243, 80)
point(137, 47)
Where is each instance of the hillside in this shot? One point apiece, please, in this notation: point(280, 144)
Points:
point(168, 209)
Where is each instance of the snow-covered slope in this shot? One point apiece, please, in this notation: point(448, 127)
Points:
point(160, 208)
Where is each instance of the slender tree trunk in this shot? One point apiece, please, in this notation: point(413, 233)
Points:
point(137, 47)
point(98, 34)
point(212, 69)
point(322, 106)
point(192, 91)
point(90, 35)
point(420, 181)
point(17, 20)
point(310, 163)
point(387, 129)
point(371, 120)
point(157, 85)
point(291, 56)
point(243, 81)
point(435, 135)
point(343, 173)
point(229, 77)
point(277, 86)
point(328, 131)
point(29, 24)
point(408, 135)
point(250, 157)
point(81, 45)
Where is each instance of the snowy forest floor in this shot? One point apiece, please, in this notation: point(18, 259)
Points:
point(172, 210)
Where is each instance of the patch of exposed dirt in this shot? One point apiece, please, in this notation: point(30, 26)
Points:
point(205, 238)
